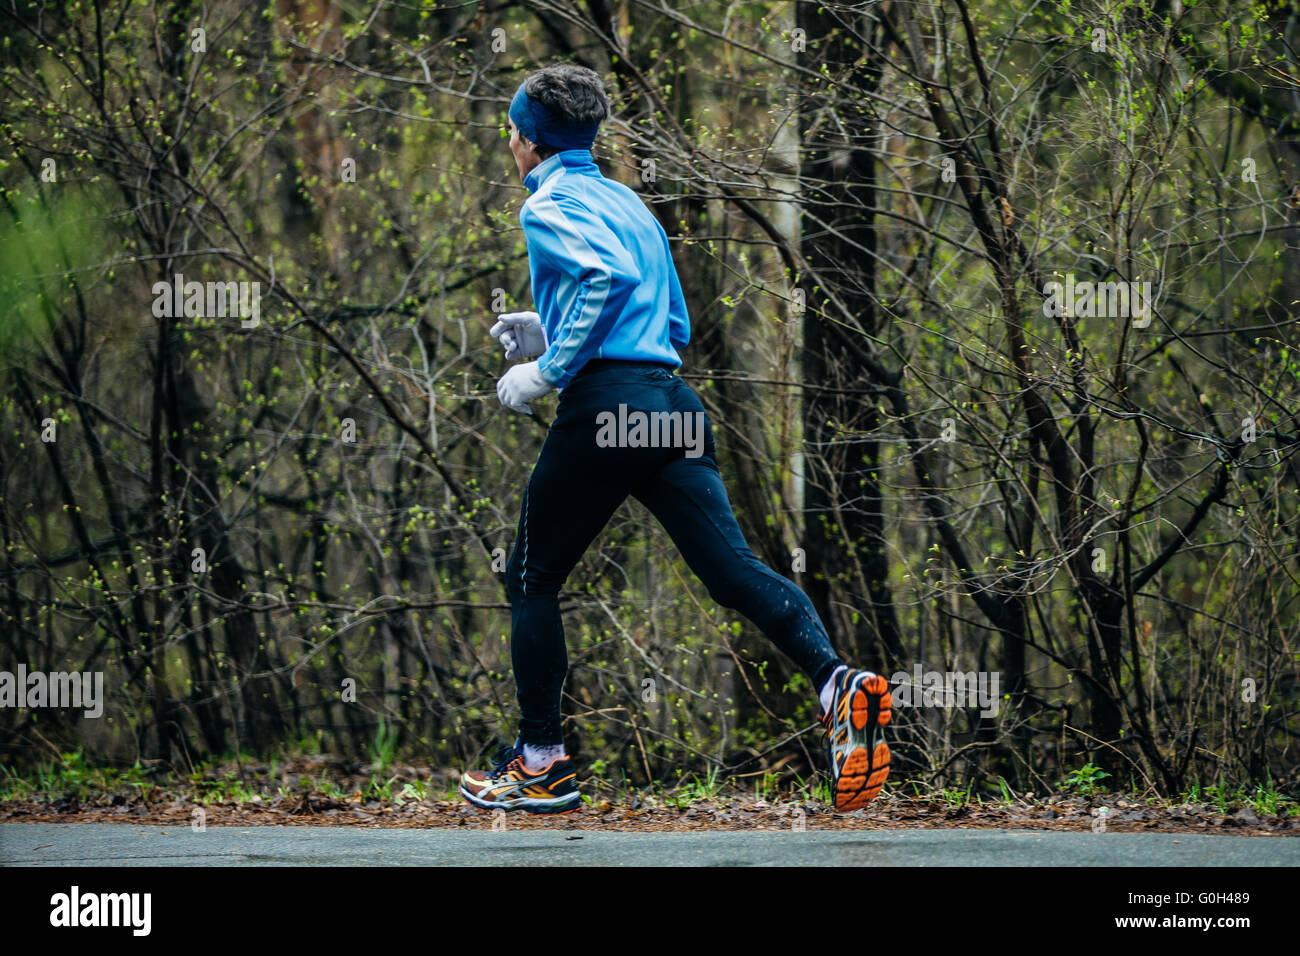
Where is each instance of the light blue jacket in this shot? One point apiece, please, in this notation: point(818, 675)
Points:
point(604, 282)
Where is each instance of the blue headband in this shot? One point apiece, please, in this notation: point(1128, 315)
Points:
point(545, 128)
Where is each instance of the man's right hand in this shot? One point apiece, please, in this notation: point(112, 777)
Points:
point(521, 334)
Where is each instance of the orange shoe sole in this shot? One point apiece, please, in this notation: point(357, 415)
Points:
point(865, 770)
point(550, 813)
point(525, 809)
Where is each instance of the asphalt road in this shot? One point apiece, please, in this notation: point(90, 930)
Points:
point(29, 844)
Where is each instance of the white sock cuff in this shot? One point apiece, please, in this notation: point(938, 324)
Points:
point(827, 693)
point(539, 758)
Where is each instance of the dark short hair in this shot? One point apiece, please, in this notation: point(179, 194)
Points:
point(571, 91)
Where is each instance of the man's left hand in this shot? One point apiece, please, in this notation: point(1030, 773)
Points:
point(521, 385)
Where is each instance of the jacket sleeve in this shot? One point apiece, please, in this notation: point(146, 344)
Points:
point(563, 236)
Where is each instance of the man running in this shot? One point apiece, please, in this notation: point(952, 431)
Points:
point(612, 321)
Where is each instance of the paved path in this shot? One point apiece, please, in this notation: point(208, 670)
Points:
point(29, 844)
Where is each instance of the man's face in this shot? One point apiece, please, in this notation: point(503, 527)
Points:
point(524, 152)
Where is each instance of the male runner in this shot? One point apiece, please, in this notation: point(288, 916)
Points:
point(612, 319)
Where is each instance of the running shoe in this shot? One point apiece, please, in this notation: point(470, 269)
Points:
point(509, 785)
point(855, 738)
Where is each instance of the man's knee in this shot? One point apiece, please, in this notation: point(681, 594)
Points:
point(515, 577)
point(525, 582)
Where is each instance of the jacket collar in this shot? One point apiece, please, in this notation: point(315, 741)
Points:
point(579, 160)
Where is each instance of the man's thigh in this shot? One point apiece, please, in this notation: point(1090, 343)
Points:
point(689, 499)
point(567, 502)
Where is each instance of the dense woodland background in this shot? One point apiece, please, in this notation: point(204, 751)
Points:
point(865, 201)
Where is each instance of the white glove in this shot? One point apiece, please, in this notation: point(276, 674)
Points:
point(521, 333)
point(521, 385)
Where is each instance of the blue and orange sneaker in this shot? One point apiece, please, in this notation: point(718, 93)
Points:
point(855, 738)
point(509, 785)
